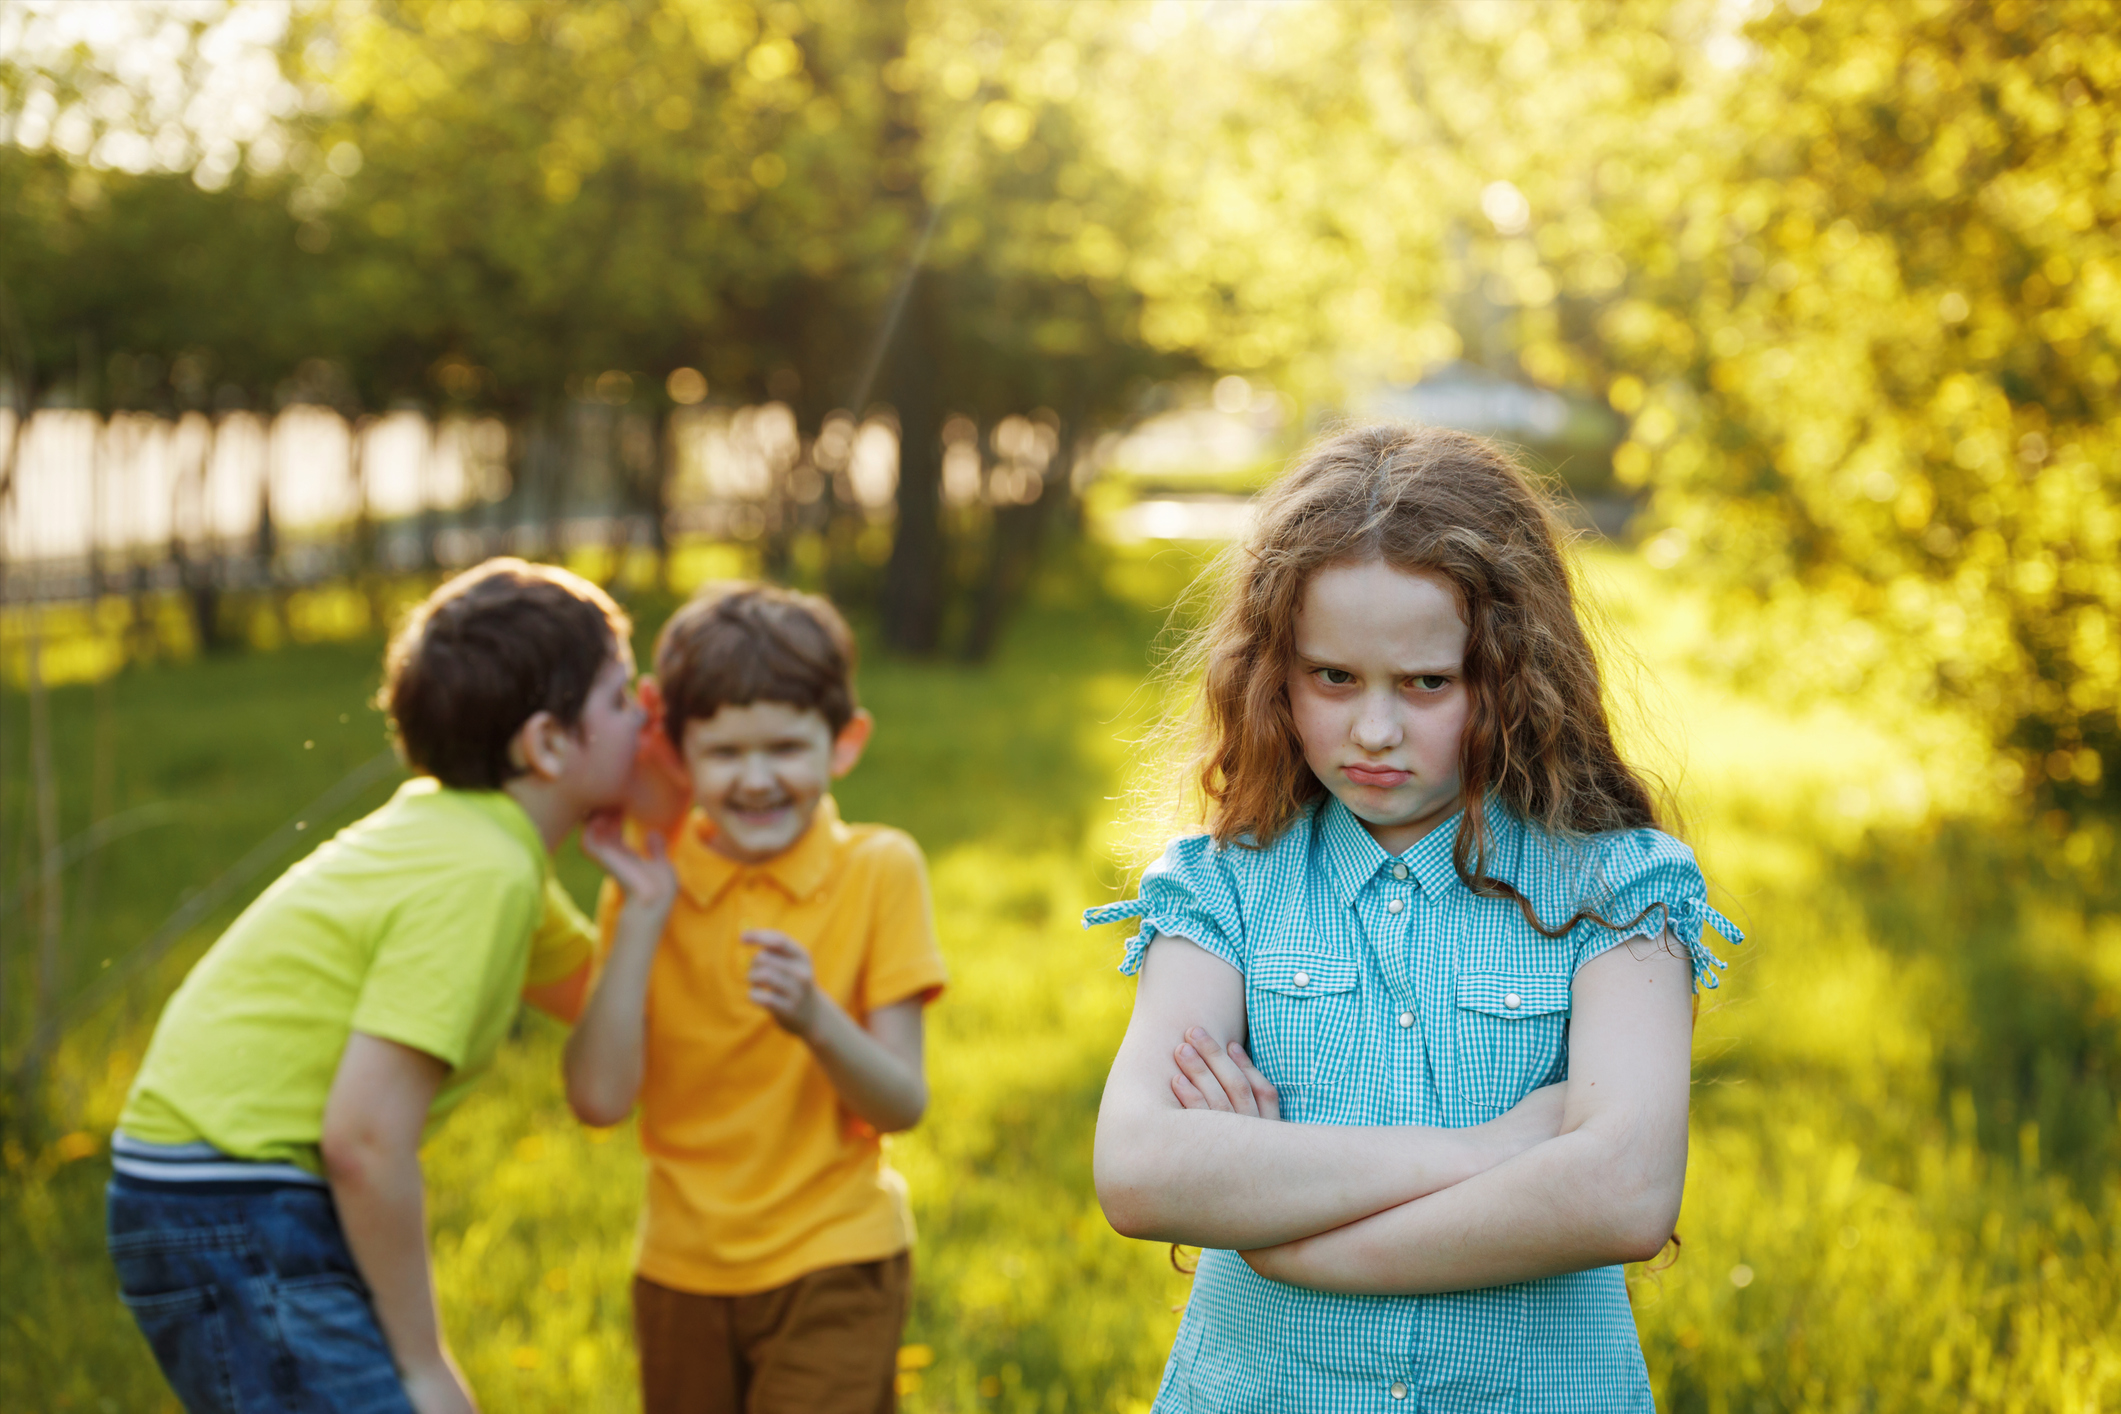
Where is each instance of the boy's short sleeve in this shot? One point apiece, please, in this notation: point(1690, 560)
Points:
point(564, 939)
point(1187, 893)
point(444, 960)
point(904, 959)
point(1653, 886)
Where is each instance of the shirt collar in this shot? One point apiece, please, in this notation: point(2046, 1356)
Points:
point(1353, 855)
point(798, 871)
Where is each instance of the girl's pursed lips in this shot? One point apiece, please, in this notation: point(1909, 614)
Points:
point(1375, 775)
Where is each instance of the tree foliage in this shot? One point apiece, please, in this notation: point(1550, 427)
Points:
point(1849, 270)
point(1868, 332)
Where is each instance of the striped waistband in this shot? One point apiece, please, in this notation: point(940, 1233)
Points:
point(198, 1162)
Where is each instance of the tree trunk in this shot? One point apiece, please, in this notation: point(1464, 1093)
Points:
point(914, 579)
point(198, 570)
point(1012, 555)
point(45, 787)
point(660, 476)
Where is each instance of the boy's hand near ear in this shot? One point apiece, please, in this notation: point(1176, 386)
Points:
point(661, 790)
point(604, 1057)
point(650, 884)
point(875, 1066)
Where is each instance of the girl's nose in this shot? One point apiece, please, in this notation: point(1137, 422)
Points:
point(1376, 727)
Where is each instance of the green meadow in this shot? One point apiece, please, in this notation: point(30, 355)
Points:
point(1903, 1190)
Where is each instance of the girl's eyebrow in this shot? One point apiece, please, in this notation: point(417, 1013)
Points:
point(1440, 670)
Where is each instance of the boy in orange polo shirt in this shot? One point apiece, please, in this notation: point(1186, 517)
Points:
point(771, 1031)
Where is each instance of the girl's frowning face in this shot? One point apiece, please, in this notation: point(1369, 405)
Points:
point(1377, 690)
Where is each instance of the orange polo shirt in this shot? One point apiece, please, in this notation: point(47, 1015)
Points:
point(757, 1174)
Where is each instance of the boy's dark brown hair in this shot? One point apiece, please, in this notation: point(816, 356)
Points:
point(739, 642)
point(488, 650)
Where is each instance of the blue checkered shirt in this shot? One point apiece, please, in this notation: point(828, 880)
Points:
point(1379, 991)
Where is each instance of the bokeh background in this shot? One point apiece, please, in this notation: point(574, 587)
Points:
point(986, 317)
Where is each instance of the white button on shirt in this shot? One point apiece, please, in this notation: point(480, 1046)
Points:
point(1399, 871)
point(1512, 1000)
point(1399, 1390)
point(1406, 1018)
point(1302, 979)
point(1396, 905)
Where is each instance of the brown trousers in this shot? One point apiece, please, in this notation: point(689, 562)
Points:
point(826, 1343)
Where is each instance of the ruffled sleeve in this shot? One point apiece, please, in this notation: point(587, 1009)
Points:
point(1651, 886)
point(1188, 893)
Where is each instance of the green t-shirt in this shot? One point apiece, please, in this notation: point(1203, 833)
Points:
point(420, 923)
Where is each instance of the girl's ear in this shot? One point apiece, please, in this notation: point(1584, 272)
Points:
point(539, 747)
point(847, 747)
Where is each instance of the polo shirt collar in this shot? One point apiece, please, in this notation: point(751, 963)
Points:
point(1353, 856)
point(799, 871)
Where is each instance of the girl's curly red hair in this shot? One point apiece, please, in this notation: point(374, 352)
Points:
point(1432, 500)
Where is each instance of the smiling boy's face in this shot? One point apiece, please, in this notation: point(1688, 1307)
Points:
point(759, 770)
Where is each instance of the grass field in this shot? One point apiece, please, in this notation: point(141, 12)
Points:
point(1902, 1193)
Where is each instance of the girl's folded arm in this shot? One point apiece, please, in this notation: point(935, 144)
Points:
point(1604, 1190)
point(1217, 1178)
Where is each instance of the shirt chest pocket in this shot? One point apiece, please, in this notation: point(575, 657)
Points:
point(1302, 1017)
point(1512, 1038)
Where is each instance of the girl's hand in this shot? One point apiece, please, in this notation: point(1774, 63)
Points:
point(1212, 1076)
point(1533, 1120)
point(782, 981)
point(649, 881)
point(661, 789)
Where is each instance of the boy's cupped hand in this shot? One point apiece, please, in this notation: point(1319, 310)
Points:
point(782, 980)
point(660, 791)
point(645, 874)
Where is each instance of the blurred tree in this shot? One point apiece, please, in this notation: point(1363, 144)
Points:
point(1867, 321)
point(1851, 272)
point(1854, 275)
point(525, 200)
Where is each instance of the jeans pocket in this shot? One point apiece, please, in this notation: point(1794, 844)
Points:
point(188, 1331)
point(156, 1260)
point(340, 1360)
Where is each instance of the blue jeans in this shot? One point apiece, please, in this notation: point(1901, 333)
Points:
point(251, 1300)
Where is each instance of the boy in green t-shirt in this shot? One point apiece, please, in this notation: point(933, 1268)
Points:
point(266, 1206)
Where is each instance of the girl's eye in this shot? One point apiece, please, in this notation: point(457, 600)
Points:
point(1335, 677)
point(1432, 682)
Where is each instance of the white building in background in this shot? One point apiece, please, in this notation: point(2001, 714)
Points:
point(1246, 429)
point(1471, 399)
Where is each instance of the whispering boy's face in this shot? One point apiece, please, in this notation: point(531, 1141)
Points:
point(759, 770)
